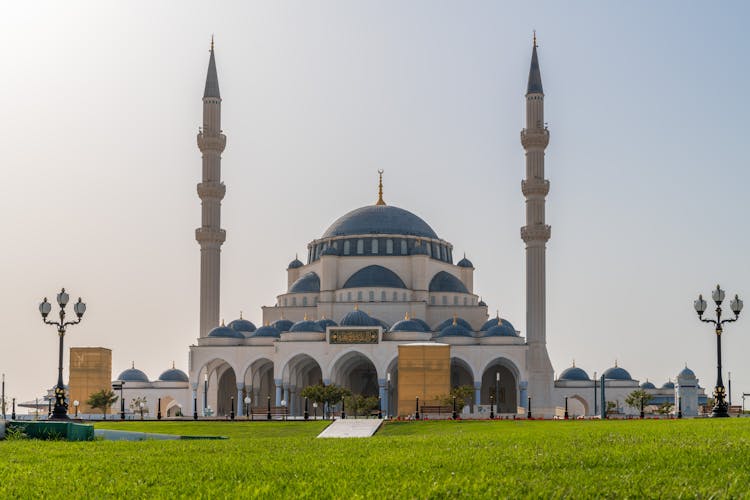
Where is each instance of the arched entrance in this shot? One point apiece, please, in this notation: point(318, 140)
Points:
point(462, 375)
point(226, 392)
point(500, 381)
point(577, 406)
point(260, 385)
point(357, 373)
point(391, 388)
point(217, 385)
point(301, 371)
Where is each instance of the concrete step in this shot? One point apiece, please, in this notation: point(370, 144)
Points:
point(352, 428)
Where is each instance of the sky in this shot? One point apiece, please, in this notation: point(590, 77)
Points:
point(646, 105)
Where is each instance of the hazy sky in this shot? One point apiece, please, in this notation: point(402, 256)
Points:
point(647, 105)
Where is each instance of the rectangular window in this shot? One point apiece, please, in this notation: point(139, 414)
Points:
point(404, 249)
point(372, 296)
point(359, 296)
point(389, 247)
point(346, 247)
point(284, 302)
point(465, 301)
point(395, 296)
point(374, 247)
point(304, 301)
point(455, 300)
point(445, 300)
point(360, 247)
point(349, 296)
point(404, 297)
point(382, 296)
point(294, 301)
point(432, 300)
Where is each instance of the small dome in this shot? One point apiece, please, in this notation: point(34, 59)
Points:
point(309, 282)
point(573, 373)
point(306, 326)
point(173, 375)
point(668, 385)
point(358, 318)
point(133, 375)
point(266, 331)
point(617, 373)
point(423, 323)
point(498, 322)
point(325, 323)
point(242, 325)
point(482, 303)
point(687, 372)
point(329, 251)
point(420, 249)
point(647, 385)
point(374, 276)
point(225, 332)
point(454, 330)
point(501, 330)
point(282, 325)
point(465, 263)
point(448, 322)
point(295, 264)
point(407, 325)
point(446, 282)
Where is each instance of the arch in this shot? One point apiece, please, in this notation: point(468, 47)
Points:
point(461, 373)
point(374, 276)
point(261, 383)
point(446, 282)
point(577, 406)
point(226, 392)
point(356, 372)
point(504, 391)
point(391, 405)
point(299, 372)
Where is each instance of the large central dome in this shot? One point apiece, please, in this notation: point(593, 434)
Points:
point(380, 219)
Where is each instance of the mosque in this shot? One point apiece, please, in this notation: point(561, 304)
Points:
point(378, 278)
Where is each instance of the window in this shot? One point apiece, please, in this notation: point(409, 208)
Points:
point(349, 296)
point(404, 249)
point(404, 297)
point(445, 300)
point(346, 247)
point(360, 246)
point(371, 296)
point(465, 301)
point(455, 300)
point(382, 296)
point(389, 247)
point(375, 247)
point(284, 301)
point(294, 301)
point(429, 249)
point(432, 300)
point(395, 296)
point(304, 301)
point(359, 296)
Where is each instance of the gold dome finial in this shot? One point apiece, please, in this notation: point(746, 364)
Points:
point(574, 362)
point(173, 365)
point(455, 319)
point(305, 318)
point(212, 42)
point(222, 322)
point(406, 316)
point(535, 39)
point(132, 364)
point(380, 188)
point(240, 314)
point(356, 307)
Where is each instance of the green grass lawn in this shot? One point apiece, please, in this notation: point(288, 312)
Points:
point(671, 458)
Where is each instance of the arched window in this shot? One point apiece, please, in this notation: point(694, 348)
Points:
point(360, 246)
point(346, 247)
point(374, 247)
point(349, 296)
point(455, 300)
point(395, 296)
point(445, 300)
point(371, 296)
point(382, 296)
point(404, 247)
point(465, 301)
point(359, 296)
point(429, 249)
point(432, 300)
point(389, 247)
point(304, 301)
point(294, 301)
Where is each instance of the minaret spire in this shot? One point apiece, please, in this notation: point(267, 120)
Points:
point(210, 236)
point(535, 234)
point(380, 188)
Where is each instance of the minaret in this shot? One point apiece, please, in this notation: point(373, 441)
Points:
point(210, 236)
point(535, 234)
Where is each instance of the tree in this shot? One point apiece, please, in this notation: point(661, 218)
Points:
point(139, 405)
point(325, 394)
point(102, 400)
point(638, 399)
point(357, 404)
point(665, 408)
point(462, 393)
point(611, 407)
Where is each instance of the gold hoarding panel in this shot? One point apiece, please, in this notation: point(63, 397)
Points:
point(353, 336)
point(90, 372)
point(424, 371)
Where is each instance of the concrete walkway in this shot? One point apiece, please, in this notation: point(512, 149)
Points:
point(352, 428)
point(113, 435)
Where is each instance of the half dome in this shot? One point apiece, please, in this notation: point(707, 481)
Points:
point(380, 219)
point(446, 282)
point(374, 276)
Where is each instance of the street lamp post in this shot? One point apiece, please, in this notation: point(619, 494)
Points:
point(118, 385)
point(307, 412)
point(141, 406)
point(594, 393)
point(497, 390)
point(529, 408)
point(283, 405)
point(720, 404)
point(343, 408)
point(268, 413)
point(417, 415)
point(380, 409)
point(388, 394)
point(195, 406)
point(455, 413)
point(492, 407)
point(13, 414)
point(61, 407)
point(315, 410)
point(2, 398)
point(642, 414)
point(231, 411)
point(248, 400)
point(75, 405)
point(566, 407)
point(158, 409)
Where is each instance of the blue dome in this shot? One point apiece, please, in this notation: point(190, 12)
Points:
point(306, 326)
point(687, 372)
point(325, 323)
point(358, 318)
point(296, 263)
point(668, 385)
point(420, 249)
point(173, 375)
point(266, 331)
point(374, 276)
point(309, 282)
point(446, 282)
point(242, 325)
point(574, 373)
point(456, 330)
point(225, 332)
point(491, 323)
point(501, 330)
point(465, 263)
point(448, 322)
point(329, 251)
point(647, 385)
point(423, 323)
point(282, 325)
point(380, 219)
point(617, 373)
point(133, 375)
point(407, 325)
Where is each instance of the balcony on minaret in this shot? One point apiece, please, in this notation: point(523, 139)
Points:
point(209, 142)
point(211, 190)
point(536, 233)
point(534, 137)
point(209, 236)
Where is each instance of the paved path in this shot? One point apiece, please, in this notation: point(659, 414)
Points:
point(352, 428)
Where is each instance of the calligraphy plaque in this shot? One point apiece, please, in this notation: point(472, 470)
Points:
point(353, 336)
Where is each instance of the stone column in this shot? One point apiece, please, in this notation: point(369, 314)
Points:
point(240, 400)
point(277, 382)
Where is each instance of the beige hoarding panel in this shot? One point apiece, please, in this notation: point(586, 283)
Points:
point(424, 371)
point(90, 372)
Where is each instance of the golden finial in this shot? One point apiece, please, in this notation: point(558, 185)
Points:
point(132, 364)
point(574, 362)
point(380, 188)
point(222, 322)
point(534, 39)
point(240, 314)
point(173, 365)
point(406, 316)
point(497, 313)
point(455, 319)
point(212, 42)
point(356, 307)
point(305, 318)
point(615, 362)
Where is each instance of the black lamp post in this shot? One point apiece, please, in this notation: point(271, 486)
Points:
point(343, 408)
point(195, 407)
point(268, 413)
point(566, 407)
point(75, 405)
point(720, 404)
point(497, 391)
point(529, 407)
point(307, 413)
point(158, 409)
point(380, 409)
point(2, 400)
point(492, 407)
point(61, 407)
point(13, 414)
point(231, 411)
point(118, 385)
point(388, 394)
point(595, 407)
point(455, 413)
point(417, 415)
point(642, 414)
point(315, 410)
